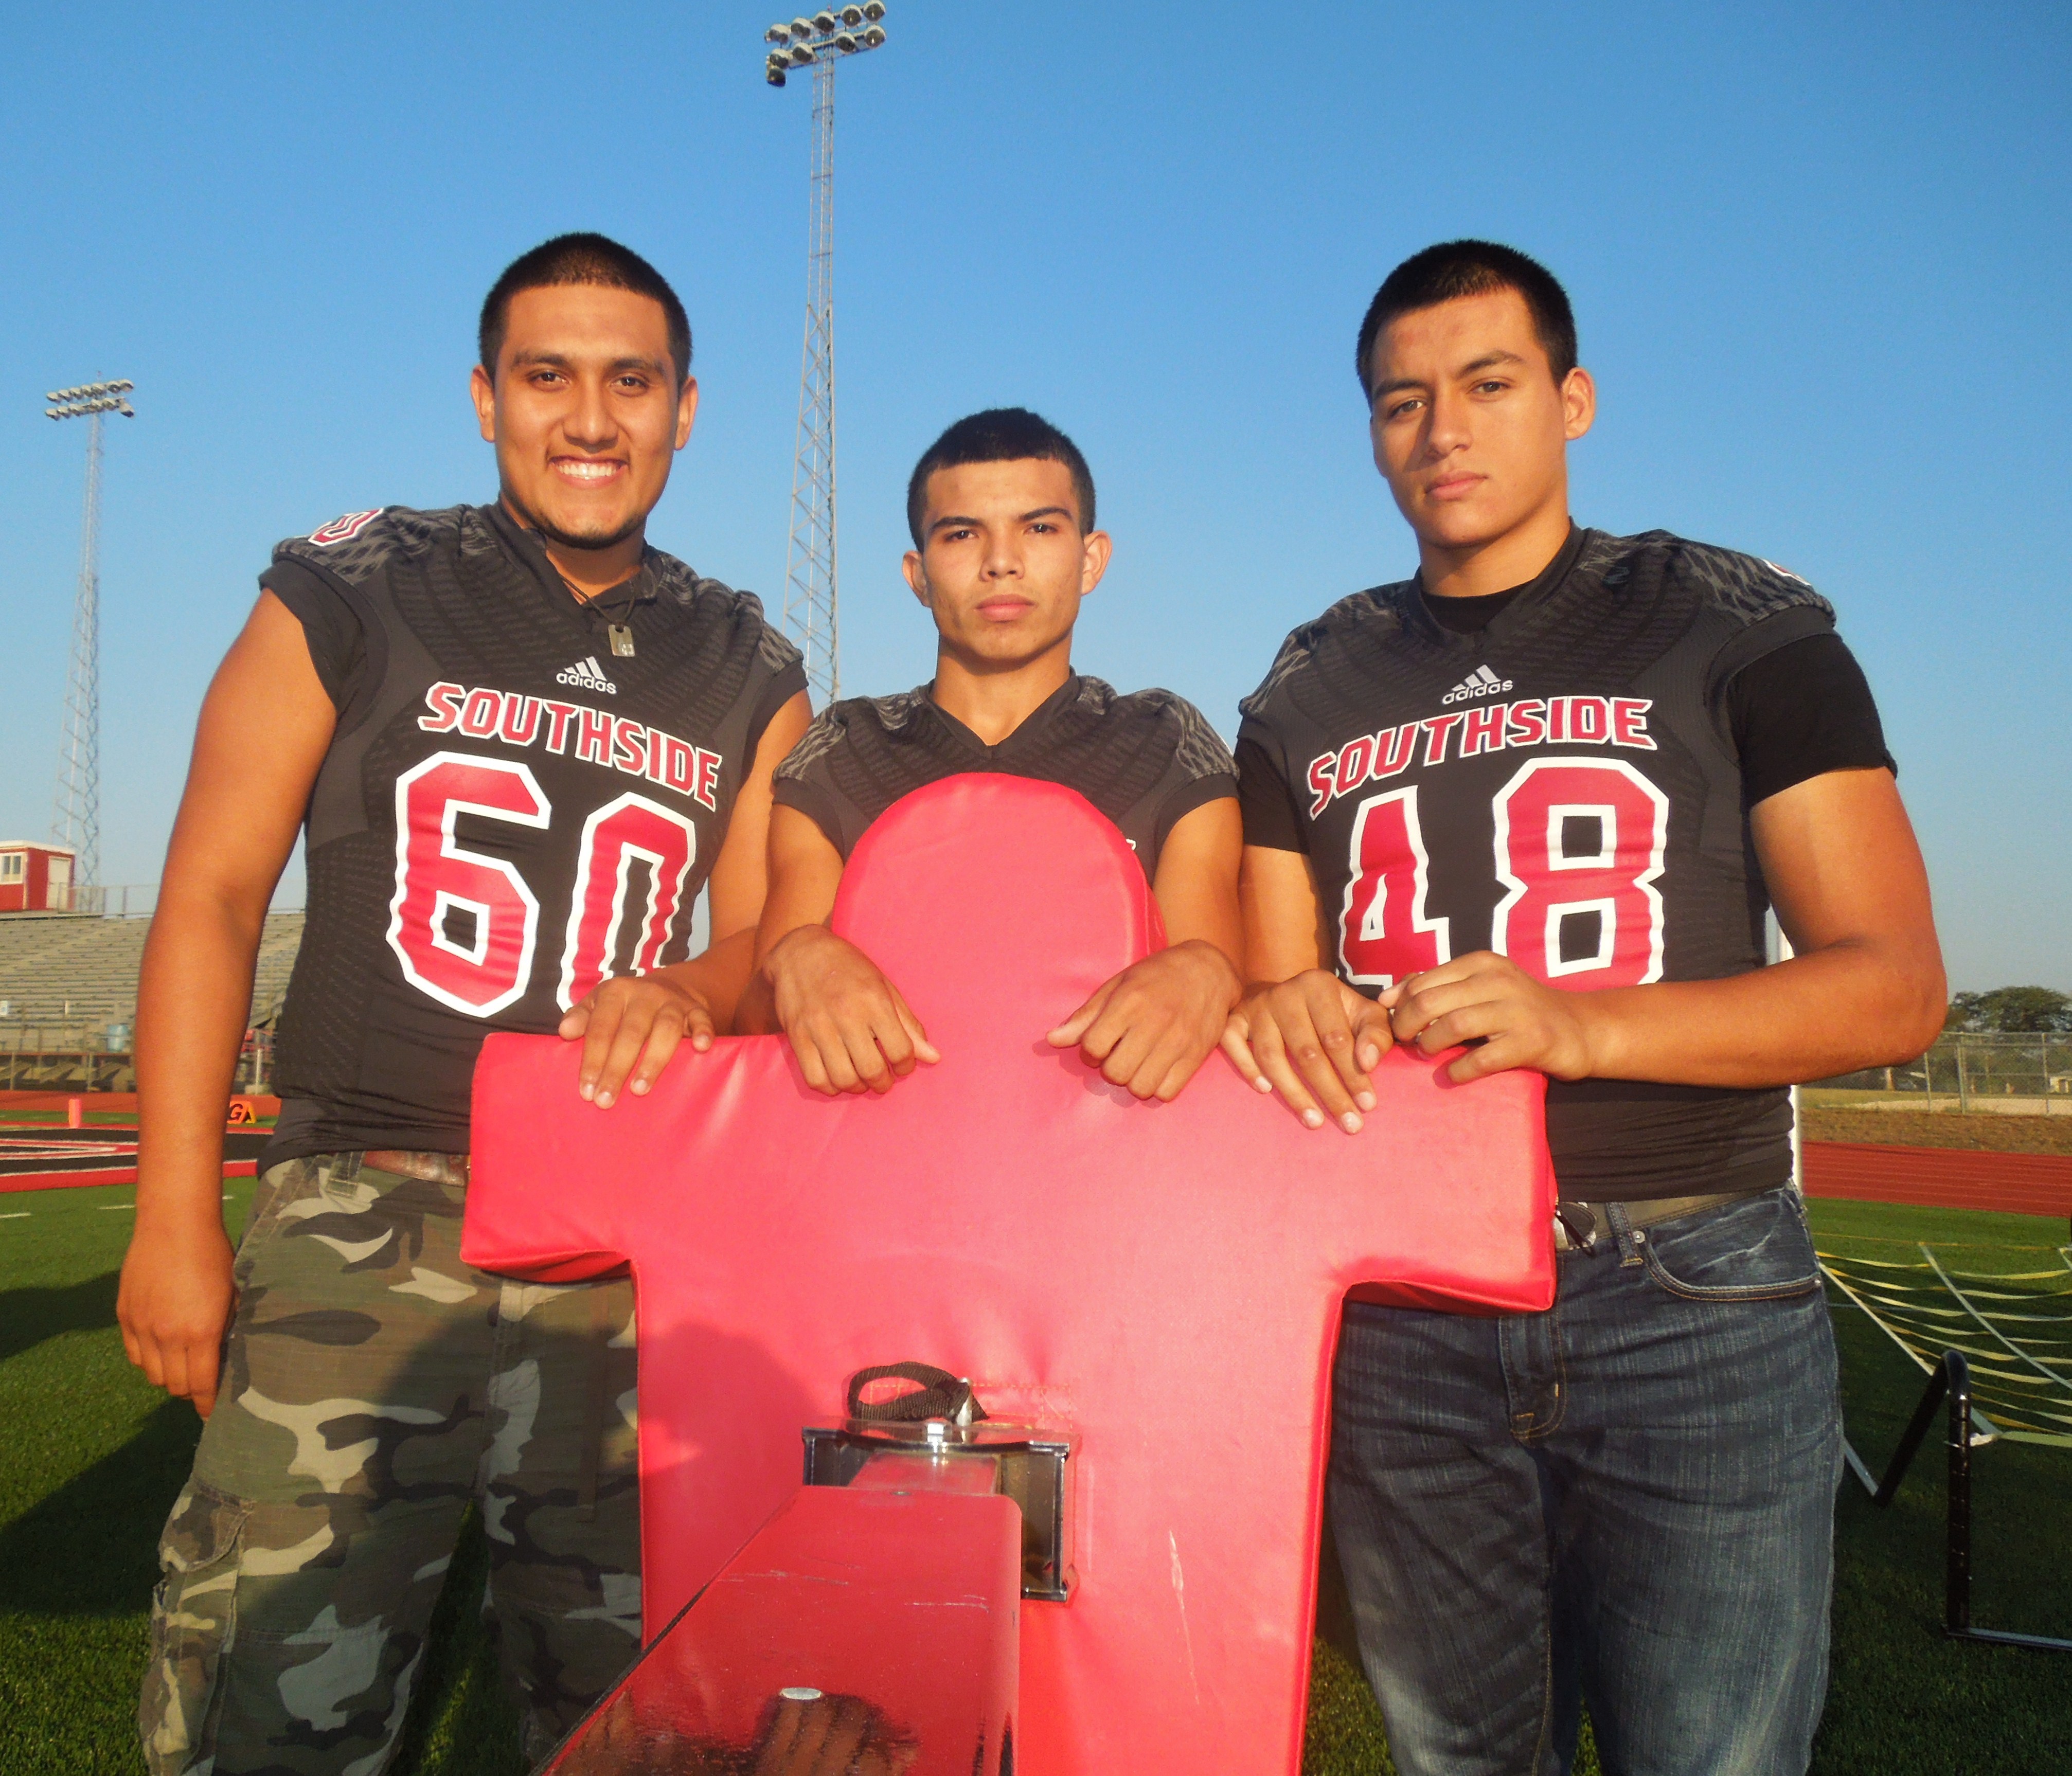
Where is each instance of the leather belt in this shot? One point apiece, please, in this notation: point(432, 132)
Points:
point(1579, 1226)
point(433, 1168)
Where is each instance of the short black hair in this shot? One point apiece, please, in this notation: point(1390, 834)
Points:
point(1454, 269)
point(581, 259)
point(999, 434)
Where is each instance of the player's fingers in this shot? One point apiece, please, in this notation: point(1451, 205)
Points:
point(173, 1369)
point(636, 1022)
point(1175, 1053)
point(807, 1053)
point(916, 1032)
point(699, 1029)
point(1074, 1027)
point(1236, 1044)
point(1465, 1024)
point(1372, 1037)
point(1269, 1044)
point(1307, 1054)
point(1497, 1056)
point(145, 1354)
point(1128, 1058)
point(202, 1376)
point(867, 1060)
point(663, 1035)
point(1331, 1019)
point(889, 1033)
point(599, 1034)
point(574, 1022)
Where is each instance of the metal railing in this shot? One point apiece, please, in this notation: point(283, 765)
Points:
point(119, 900)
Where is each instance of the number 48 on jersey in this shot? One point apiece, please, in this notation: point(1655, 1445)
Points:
point(1577, 850)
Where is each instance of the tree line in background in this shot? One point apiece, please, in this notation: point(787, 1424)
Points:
point(2012, 1011)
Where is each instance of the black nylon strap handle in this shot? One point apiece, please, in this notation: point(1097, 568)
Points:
point(936, 1394)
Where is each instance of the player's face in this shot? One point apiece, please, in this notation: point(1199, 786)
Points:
point(585, 413)
point(1003, 563)
point(1470, 429)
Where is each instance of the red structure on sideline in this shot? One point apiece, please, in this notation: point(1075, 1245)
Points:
point(35, 876)
point(1161, 1283)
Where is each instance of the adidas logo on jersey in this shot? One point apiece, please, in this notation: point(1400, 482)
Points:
point(1480, 682)
point(588, 674)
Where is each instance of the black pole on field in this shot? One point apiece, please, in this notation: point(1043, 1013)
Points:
point(1957, 1566)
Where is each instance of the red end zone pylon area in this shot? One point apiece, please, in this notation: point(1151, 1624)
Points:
point(1157, 1287)
point(1941, 1177)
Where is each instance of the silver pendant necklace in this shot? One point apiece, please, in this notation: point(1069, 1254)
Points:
point(622, 638)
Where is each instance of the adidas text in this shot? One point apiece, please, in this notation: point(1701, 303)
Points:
point(1480, 682)
point(588, 674)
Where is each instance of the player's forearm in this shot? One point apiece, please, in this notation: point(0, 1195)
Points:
point(718, 975)
point(192, 1000)
point(1853, 1005)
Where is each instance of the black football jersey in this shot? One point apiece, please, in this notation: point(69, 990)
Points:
point(1561, 788)
point(509, 813)
point(1144, 760)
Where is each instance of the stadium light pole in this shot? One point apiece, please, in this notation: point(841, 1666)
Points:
point(818, 42)
point(76, 819)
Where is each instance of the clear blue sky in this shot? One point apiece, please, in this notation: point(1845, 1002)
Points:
point(1820, 257)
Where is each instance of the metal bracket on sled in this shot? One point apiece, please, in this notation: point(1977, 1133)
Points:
point(1033, 1467)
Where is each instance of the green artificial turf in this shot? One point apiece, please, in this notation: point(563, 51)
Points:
point(93, 1457)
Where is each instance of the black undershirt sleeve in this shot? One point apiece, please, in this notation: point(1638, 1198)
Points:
point(337, 642)
point(1801, 711)
point(1271, 818)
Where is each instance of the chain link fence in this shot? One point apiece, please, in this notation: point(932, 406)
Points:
point(1968, 1070)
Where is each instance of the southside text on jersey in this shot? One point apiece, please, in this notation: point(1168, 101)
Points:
point(599, 737)
point(1529, 721)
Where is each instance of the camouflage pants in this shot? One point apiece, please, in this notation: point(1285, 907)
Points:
point(373, 1386)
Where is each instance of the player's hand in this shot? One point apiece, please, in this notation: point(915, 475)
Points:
point(845, 1021)
point(1152, 1024)
point(629, 1027)
point(1314, 1040)
point(175, 1299)
point(1489, 1000)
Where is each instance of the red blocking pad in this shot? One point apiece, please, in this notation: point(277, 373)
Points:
point(898, 1608)
point(1162, 1281)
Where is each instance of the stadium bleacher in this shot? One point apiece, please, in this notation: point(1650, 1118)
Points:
point(63, 975)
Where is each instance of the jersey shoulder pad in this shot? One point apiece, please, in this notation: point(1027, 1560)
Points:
point(1381, 606)
point(831, 729)
point(1744, 588)
point(823, 734)
point(678, 580)
point(355, 546)
point(1197, 749)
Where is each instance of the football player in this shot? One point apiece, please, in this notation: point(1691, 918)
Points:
point(1533, 805)
point(1006, 548)
point(519, 742)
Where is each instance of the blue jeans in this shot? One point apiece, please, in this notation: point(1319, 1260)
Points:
point(1627, 1500)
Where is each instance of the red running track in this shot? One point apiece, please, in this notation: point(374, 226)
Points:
point(1942, 1178)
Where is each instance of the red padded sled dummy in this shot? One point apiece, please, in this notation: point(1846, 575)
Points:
point(1164, 1281)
